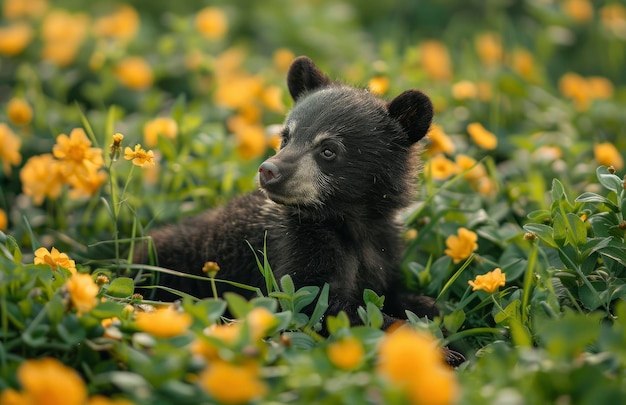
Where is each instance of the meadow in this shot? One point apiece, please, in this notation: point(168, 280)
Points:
point(117, 117)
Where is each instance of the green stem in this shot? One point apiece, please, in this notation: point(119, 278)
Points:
point(528, 280)
point(472, 332)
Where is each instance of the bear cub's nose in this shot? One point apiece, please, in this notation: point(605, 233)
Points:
point(268, 173)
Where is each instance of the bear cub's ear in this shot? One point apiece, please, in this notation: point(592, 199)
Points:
point(304, 76)
point(414, 112)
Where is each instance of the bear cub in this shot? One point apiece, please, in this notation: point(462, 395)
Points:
point(327, 206)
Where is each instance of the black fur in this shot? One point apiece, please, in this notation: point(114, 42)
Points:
point(327, 205)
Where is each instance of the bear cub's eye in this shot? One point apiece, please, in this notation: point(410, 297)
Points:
point(327, 154)
point(284, 137)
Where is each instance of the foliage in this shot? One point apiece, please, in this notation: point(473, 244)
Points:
point(116, 118)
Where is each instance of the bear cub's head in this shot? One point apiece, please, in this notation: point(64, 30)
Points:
point(344, 149)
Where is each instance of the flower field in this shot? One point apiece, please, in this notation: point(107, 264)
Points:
point(118, 117)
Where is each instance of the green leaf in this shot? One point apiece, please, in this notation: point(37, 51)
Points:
point(70, 330)
point(559, 230)
point(615, 252)
point(374, 315)
point(543, 232)
point(107, 309)
point(539, 215)
point(265, 302)
point(286, 284)
point(238, 305)
point(454, 320)
point(36, 336)
point(593, 245)
point(300, 340)
point(214, 308)
point(121, 287)
point(512, 311)
point(592, 299)
point(335, 323)
point(304, 296)
point(320, 307)
point(596, 198)
point(558, 191)
point(609, 180)
point(578, 231)
point(602, 224)
point(567, 337)
point(371, 296)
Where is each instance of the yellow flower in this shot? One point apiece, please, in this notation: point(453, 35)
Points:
point(579, 10)
point(122, 25)
point(439, 141)
point(613, 17)
point(489, 282)
point(600, 87)
point(48, 381)
point(282, 59)
point(464, 90)
point(12, 9)
point(607, 154)
point(83, 292)
point(11, 397)
point(574, 86)
point(346, 353)
point(251, 141)
point(134, 73)
point(161, 126)
point(139, 156)
point(15, 38)
point(61, 26)
point(212, 23)
point(228, 334)
point(435, 60)
point(489, 47)
point(261, 321)
point(62, 35)
point(88, 183)
point(481, 136)
point(378, 85)
point(524, 64)
point(116, 147)
point(41, 177)
point(4, 221)
point(461, 245)
point(440, 168)
point(413, 362)
point(54, 259)
point(231, 383)
point(237, 91)
point(465, 162)
point(19, 111)
point(76, 155)
point(584, 90)
point(228, 62)
point(164, 322)
point(272, 98)
point(9, 148)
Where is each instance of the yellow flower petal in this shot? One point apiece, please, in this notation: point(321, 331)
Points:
point(489, 282)
point(461, 246)
point(481, 136)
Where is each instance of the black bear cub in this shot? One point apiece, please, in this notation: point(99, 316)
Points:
point(328, 202)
